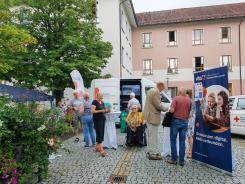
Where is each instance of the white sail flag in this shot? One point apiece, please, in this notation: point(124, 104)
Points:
point(77, 81)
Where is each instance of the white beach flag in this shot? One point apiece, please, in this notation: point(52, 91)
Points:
point(77, 81)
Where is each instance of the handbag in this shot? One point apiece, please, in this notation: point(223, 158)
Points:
point(167, 119)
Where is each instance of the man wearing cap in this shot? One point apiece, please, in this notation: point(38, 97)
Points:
point(133, 102)
point(152, 116)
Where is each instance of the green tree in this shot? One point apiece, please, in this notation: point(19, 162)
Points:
point(13, 43)
point(68, 39)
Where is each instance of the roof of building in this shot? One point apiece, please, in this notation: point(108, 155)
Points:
point(191, 14)
point(130, 10)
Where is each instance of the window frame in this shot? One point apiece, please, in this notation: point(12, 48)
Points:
point(194, 40)
point(171, 70)
point(225, 40)
point(229, 67)
point(172, 43)
point(174, 91)
point(194, 64)
point(145, 70)
point(144, 43)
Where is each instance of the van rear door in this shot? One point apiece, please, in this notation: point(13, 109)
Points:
point(110, 89)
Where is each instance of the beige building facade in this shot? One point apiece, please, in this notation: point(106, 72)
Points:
point(172, 45)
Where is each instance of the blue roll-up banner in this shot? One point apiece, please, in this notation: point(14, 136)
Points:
point(212, 137)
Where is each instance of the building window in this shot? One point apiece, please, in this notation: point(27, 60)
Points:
point(147, 67)
point(172, 65)
point(197, 36)
point(225, 34)
point(226, 60)
point(198, 63)
point(173, 91)
point(147, 40)
point(172, 38)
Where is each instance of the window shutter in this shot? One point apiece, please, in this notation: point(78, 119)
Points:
point(202, 62)
point(151, 65)
point(230, 34)
point(220, 34)
point(194, 64)
point(175, 36)
point(167, 37)
point(202, 40)
point(221, 60)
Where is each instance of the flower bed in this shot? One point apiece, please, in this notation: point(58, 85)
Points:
point(27, 137)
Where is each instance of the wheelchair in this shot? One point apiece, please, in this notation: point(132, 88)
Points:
point(137, 138)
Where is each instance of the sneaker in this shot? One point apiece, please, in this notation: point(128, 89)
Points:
point(86, 146)
point(171, 162)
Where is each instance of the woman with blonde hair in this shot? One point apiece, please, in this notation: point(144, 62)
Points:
point(98, 109)
point(135, 129)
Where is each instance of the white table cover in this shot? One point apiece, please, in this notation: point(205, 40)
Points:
point(110, 136)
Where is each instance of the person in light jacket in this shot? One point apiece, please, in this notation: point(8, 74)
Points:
point(133, 101)
point(152, 116)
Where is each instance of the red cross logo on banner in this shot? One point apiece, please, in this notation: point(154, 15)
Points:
point(236, 119)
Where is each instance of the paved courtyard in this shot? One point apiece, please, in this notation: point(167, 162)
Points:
point(83, 165)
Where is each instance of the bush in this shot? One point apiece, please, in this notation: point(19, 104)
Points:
point(27, 136)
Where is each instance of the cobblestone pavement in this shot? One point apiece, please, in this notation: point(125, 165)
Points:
point(84, 165)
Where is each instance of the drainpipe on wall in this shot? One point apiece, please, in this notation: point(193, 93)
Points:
point(120, 28)
point(240, 57)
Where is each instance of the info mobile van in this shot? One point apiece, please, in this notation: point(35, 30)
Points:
point(116, 91)
point(237, 114)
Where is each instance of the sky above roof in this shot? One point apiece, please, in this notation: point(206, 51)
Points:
point(156, 5)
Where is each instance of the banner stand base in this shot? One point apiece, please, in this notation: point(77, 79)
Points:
point(214, 168)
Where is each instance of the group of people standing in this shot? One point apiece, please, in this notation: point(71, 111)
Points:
point(90, 115)
point(182, 109)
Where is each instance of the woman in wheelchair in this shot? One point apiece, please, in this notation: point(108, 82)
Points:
point(135, 127)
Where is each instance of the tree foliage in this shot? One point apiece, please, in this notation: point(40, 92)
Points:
point(67, 38)
point(13, 43)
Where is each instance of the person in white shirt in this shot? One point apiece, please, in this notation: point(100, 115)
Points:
point(133, 101)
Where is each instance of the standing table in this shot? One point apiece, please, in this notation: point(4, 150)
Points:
point(164, 134)
point(110, 136)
